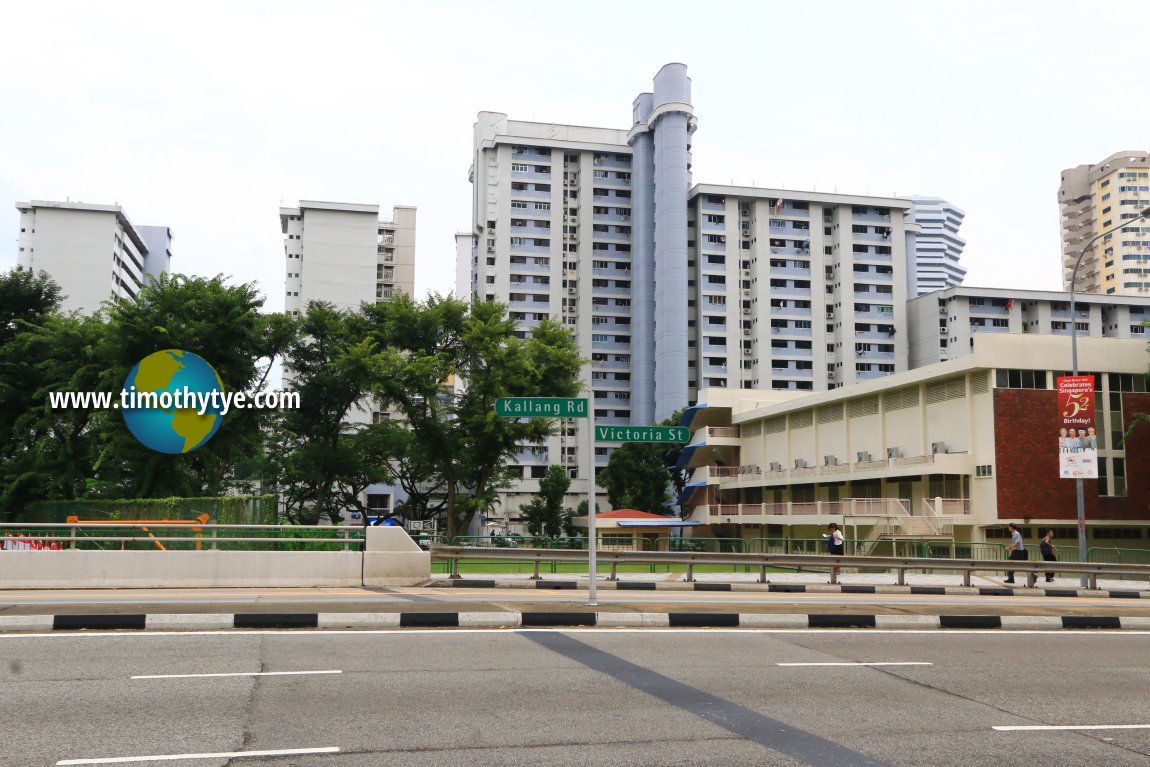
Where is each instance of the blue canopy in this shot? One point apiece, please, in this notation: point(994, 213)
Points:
point(686, 454)
point(689, 413)
point(689, 490)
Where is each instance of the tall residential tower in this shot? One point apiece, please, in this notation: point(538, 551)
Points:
point(1096, 200)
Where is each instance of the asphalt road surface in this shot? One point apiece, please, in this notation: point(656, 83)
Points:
point(576, 697)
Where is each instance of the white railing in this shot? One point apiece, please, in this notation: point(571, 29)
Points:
point(952, 507)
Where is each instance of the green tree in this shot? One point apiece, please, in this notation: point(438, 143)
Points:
point(426, 348)
point(544, 512)
point(45, 453)
point(221, 323)
point(638, 475)
point(322, 456)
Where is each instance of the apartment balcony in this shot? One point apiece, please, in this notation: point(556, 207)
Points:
point(789, 271)
point(989, 329)
point(874, 356)
point(531, 175)
point(540, 249)
point(610, 345)
point(789, 251)
point(713, 350)
point(611, 163)
point(791, 332)
point(610, 236)
point(872, 237)
point(609, 365)
point(790, 311)
point(795, 373)
point(712, 247)
point(622, 274)
point(517, 269)
point(712, 207)
point(783, 354)
point(612, 181)
point(874, 315)
point(872, 335)
point(611, 217)
point(873, 258)
point(791, 291)
point(612, 199)
point(530, 194)
point(528, 305)
point(605, 291)
point(870, 218)
point(872, 296)
point(711, 226)
point(714, 370)
point(869, 375)
point(987, 310)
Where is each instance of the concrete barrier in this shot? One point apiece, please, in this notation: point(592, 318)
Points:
point(390, 558)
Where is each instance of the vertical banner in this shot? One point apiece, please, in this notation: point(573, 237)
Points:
point(1077, 438)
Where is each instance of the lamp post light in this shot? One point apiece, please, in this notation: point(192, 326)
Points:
point(1074, 364)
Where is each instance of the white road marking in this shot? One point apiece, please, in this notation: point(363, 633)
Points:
point(222, 755)
point(1029, 727)
point(240, 673)
point(877, 663)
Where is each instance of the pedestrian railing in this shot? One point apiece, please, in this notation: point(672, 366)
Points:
point(831, 563)
point(138, 535)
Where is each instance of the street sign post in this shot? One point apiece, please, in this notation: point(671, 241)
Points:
point(541, 407)
point(564, 407)
point(669, 434)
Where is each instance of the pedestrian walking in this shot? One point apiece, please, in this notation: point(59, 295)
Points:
point(1016, 549)
point(1047, 549)
point(834, 536)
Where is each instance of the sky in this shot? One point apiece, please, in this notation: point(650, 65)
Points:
point(207, 117)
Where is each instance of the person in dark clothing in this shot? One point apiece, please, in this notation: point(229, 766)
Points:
point(1047, 549)
point(1016, 548)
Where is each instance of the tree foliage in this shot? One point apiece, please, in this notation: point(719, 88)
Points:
point(544, 513)
point(427, 349)
point(639, 475)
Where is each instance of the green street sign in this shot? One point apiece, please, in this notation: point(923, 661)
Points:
point(541, 407)
point(642, 434)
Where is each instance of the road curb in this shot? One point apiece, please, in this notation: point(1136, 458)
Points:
point(249, 621)
point(798, 588)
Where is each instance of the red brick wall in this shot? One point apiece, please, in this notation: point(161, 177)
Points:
point(1026, 468)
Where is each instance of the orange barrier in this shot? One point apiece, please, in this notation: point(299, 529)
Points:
point(202, 519)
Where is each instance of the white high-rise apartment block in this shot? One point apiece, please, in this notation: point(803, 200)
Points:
point(588, 226)
point(92, 251)
point(946, 324)
point(1096, 200)
point(346, 255)
point(936, 247)
point(791, 290)
point(671, 289)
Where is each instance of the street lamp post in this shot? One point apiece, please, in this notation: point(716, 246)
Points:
point(1074, 364)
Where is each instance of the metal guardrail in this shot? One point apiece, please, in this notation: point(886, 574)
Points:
point(1031, 568)
point(200, 537)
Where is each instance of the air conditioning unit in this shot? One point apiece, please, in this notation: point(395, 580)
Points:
point(830, 375)
point(938, 447)
point(800, 463)
point(776, 466)
point(746, 331)
point(830, 460)
point(491, 230)
point(864, 457)
point(830, 315)
point(746, 272)
point(894, 452)
point(490, 248)
point(747, 352)
point(572, 291)
point(746, 310)
point(572, 458)
point(746, 292)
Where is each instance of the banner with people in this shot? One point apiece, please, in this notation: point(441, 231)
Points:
point(1077, 437)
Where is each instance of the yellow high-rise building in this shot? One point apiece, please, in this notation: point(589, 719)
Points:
point(1100, 199)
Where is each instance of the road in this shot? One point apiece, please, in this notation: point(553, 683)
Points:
point(576, 697)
